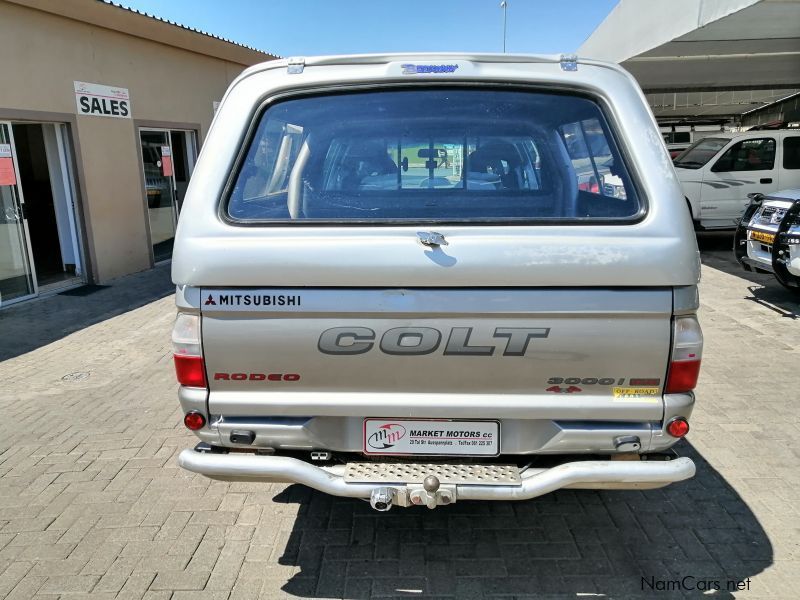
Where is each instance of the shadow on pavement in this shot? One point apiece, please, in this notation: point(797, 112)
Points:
point(678, 539)
point(30, 325)
point(716, 252)
point(777, 299)
point(716, 241)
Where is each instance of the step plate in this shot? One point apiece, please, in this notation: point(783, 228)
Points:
point(454, 474)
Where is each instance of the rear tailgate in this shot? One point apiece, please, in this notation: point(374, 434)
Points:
point(547, 353)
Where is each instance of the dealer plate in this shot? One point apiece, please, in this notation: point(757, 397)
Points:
point(760, 236)
point(435, 437)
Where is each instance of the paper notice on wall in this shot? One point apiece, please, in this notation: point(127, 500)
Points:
point(7, 174)
point(166, 161)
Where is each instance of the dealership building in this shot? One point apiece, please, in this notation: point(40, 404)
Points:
point(102, 113)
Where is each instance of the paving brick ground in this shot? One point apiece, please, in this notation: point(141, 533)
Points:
point(92, 503)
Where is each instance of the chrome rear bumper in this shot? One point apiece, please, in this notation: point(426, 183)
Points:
point(598, 474)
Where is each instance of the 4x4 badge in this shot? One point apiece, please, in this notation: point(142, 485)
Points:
point(557, 389)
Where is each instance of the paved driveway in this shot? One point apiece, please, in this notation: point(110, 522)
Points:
point(92, 503)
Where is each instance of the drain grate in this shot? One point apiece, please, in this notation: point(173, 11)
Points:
point(464, 474)
point(76, 376)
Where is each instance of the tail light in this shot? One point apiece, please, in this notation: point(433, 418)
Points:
point(678, 427)
point(687, 351)
point(194, 420)
point(187, 351)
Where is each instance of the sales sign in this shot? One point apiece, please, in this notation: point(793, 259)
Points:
point(102, 100)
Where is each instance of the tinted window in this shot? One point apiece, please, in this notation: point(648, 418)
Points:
point(699, 153)
point(791, 152)
point(441, 155)
point(748, 155)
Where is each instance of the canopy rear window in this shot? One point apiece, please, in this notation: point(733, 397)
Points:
point(433, 155)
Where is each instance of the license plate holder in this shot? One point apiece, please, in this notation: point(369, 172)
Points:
point(760, 236)
point(431, 437)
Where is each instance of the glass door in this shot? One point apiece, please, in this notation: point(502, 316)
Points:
point(17, 280)
point(159, 181)
point(184, 153)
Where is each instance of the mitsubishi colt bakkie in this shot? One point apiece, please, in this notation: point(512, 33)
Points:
point(421, 279)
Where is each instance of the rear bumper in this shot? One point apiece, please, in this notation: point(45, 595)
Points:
point(616, 474)
point(562, 426)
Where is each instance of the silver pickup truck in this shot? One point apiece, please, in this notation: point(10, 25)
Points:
point(420, 279)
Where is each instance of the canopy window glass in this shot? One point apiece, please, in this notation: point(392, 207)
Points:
point(452, 155)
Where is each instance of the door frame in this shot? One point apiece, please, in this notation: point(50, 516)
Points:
point(165, 127)
point(139, 132)
point(77, 177)
point(68, 177)
point(21, 219)
point(66, 165)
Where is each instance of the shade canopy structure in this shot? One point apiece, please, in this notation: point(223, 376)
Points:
point(704, 59)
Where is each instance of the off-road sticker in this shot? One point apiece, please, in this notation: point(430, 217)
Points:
point(431, 437)
point(636, 394)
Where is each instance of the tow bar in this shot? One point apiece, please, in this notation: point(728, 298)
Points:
point(403, 484)
point(381, 499)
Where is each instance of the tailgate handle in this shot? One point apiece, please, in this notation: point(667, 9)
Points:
point(431, 238)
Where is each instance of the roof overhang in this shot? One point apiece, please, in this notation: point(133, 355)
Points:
point(119, 18)
point(704, 57)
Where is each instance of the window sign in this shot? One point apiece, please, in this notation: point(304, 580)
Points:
point(166, 161)
point(7, 174)
point(102, 100)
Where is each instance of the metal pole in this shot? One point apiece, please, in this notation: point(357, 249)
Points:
point(504, 6)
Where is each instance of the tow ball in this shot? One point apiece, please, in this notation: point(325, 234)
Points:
point(432, 494)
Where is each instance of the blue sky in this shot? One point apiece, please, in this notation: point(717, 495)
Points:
point(307, 27)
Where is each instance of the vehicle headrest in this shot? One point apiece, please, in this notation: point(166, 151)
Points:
point(493, 152)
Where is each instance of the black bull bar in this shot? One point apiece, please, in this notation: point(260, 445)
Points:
point(780, 246)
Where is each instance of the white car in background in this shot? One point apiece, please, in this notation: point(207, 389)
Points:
point(768, 237)
point(718, 173)
point(676, 150)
